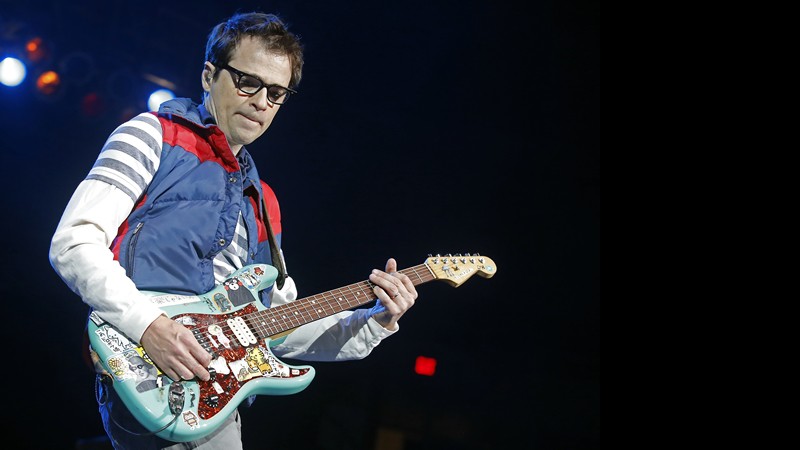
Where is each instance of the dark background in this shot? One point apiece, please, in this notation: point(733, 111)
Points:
point(421, 127)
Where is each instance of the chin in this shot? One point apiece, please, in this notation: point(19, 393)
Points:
point(254, 138)
point(246, 138)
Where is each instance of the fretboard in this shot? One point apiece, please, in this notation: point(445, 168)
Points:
point(276, 320)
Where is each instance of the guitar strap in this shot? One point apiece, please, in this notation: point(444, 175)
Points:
point(277, 258)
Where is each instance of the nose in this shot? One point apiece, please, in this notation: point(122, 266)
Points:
point(261, 101)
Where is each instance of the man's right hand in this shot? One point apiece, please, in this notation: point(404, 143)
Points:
point(175, 351)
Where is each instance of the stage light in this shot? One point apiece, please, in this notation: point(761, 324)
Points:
point(425, 366)
point(33, 46)
point(48, 82)
point(158, 97)
point(36, 50)
point(12, 71)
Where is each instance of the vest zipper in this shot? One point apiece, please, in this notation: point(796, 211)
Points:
point(132, 246)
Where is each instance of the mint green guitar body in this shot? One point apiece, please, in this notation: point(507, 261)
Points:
point(235, 328)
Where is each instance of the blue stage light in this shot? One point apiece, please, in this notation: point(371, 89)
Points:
point(12, 71)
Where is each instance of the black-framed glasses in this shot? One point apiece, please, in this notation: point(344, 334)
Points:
point(251, 84)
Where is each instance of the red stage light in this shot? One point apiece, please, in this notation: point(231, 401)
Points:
point(425, 366)
point(92, 104)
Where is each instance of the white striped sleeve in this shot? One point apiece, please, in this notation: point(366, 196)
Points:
point(80, 254)
point(130, 156)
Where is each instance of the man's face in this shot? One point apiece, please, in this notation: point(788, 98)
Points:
point(244, 118)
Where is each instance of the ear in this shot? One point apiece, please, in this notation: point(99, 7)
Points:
point(207, 76)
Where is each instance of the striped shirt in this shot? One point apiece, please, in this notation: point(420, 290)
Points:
point(129, 160)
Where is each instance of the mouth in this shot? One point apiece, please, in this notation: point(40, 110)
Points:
point(251, 119)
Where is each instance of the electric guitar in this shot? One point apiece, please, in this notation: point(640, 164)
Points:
point(238, 331)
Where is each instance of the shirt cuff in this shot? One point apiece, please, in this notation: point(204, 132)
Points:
point(139, 317)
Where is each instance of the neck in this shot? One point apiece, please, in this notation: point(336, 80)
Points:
point(235, 149)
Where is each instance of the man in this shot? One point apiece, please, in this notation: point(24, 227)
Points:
point(174, 204)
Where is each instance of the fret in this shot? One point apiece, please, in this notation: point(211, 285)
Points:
point(321, 307)
point(341, 304)
point(419, 278)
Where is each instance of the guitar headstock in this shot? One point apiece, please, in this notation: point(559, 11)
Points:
point(456, 269)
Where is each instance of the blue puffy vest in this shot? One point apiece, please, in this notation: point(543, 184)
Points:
point(189, 211)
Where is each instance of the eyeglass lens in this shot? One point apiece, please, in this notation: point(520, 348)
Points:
point(251, 85)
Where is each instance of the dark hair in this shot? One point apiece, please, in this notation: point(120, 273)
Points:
point(273, 32)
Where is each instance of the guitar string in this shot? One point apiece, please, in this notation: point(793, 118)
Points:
point(299, 314)
point(279, 319)
point(304, 307)
point(305, 311)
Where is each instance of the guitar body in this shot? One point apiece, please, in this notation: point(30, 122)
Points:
point(243, 365)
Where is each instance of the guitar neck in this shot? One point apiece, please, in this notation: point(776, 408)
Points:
point(276, 320)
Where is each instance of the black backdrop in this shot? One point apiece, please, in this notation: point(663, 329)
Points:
point(421, 127)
